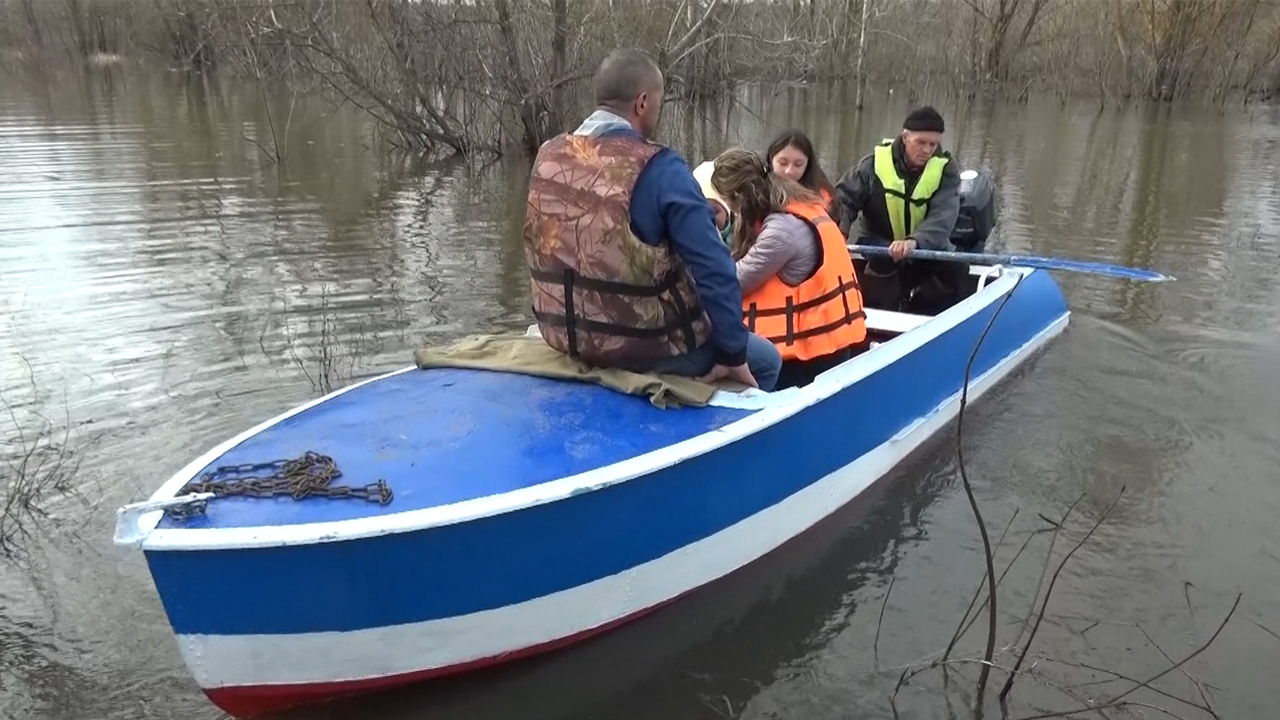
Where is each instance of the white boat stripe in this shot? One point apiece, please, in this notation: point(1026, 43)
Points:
point(237, 660)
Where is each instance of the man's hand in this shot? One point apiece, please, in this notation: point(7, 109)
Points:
point(900, 249)
point(738, 373)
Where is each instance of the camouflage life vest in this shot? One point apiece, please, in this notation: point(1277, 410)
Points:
point(599, 293)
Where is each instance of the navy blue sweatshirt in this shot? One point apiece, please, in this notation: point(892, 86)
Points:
point(667, 204)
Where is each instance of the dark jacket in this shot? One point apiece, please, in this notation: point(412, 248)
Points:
point(860, 194)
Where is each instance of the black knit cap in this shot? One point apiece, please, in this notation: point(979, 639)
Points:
point(924, 119)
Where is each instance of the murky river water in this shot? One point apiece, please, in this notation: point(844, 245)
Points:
point(163, 286)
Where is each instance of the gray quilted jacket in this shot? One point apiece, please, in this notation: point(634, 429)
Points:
point(787, 247)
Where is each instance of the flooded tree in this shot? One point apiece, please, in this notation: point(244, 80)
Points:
point(40, 454)
point(999, 18)
point(489, 76)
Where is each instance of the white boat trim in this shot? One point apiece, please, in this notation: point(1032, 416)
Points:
point(773, 407)
point(334, 657)
point(894, 322)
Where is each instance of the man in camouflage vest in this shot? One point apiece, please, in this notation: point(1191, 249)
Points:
point(627, 268)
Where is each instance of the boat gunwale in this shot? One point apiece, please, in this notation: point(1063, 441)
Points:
point(784, 405)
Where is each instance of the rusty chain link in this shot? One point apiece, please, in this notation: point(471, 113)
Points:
point(299, 478)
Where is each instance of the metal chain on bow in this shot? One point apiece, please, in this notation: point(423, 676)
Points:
point(301, 477)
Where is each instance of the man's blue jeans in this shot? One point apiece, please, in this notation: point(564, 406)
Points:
point(763, 360)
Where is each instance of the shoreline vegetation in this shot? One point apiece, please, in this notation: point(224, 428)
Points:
point(488, 77)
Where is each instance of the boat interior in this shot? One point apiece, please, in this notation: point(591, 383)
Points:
point(884, 325)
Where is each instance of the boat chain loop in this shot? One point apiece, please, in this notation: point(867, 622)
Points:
point(301, 477)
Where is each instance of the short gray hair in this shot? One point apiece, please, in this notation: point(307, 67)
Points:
point(625, 74)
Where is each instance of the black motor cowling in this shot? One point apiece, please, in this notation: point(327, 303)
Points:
point(978, 209)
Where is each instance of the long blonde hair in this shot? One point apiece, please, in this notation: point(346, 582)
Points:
point(743, 178)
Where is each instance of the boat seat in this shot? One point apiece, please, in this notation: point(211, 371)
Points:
point(889, 321)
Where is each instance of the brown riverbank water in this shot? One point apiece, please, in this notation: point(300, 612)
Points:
point(164, 286)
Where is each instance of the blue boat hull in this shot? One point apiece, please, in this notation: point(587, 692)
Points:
point(269, 616)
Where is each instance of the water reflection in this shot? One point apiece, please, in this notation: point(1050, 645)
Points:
point(158, 268)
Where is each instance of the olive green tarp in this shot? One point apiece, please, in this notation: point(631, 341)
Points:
point(529, 355)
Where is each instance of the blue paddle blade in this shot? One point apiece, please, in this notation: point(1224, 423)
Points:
point(1117, 271)
point(1031, 261)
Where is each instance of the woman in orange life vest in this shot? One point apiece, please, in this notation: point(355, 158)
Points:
point(791, 155)
point(799, 288)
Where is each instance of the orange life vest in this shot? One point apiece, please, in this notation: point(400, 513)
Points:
point(819, 316)
point(829, 205)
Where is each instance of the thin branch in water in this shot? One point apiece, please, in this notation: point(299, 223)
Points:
point(1186, 593)
point(42, 464)
point(1157, 708)
point(1008, 684)
point(962, 628)
point(1048, 557)
point(1071, 692)
point(876, 647)
point(1117, 676)
point(1188, 658)
point(1207, 707)
point(910, 670)
point(985, 673)
point(1100, 708)
point(1000, 580)
point(902, 679)
point(1265, 629)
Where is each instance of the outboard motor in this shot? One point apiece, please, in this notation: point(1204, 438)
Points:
point(977, 211)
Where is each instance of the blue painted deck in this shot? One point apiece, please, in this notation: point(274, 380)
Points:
point(496, 561)
point(442, 436)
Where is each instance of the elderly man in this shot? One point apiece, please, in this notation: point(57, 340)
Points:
point(626, 265)
point(908, 195)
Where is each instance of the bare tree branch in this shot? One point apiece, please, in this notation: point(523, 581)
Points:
point(1186, 659)
point(1008, 685)
point(682, 48)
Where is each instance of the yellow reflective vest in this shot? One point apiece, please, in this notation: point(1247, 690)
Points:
point(906, 212)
